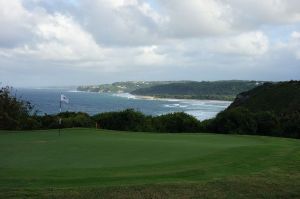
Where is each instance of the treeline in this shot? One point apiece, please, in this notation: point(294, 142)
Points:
point(217, 90)
point(242, 121)
point(232, 121)
point(131, 120)
point(126, 120)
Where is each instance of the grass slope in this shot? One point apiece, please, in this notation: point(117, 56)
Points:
point(88, 163)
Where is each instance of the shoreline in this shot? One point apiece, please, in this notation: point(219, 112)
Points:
point(147, 97)
point(179, 99)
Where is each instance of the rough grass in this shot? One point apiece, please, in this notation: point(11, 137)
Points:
point(88, 163)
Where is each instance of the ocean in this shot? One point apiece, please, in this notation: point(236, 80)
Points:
point(47, 101)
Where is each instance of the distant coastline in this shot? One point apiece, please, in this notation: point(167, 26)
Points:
point(187, 90)
point(146, 97)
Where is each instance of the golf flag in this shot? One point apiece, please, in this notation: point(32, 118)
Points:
point(63, 98)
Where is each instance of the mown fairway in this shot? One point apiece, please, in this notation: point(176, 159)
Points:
point(88, 163)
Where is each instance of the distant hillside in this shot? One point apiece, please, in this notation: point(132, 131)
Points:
point(217, 90)
point(122, 87)
point(282, 97)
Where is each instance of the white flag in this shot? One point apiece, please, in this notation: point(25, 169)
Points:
point(63, 98)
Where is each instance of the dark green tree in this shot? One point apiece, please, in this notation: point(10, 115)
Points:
point(267, 123)
point(176, 123)
point(15, 114)
point(238, 120)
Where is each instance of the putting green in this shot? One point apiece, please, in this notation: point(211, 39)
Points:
point(99, 158)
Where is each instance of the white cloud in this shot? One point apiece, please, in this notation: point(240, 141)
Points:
point(16, 23)
point(294, 44)
point(139, 23)
point(197, 17)
point(150, 56)
point(119, 3)
point(291, 46)
point(148, 11)
point(121, 23)
point(62, 38)
point(295, 35)
point(53, 37)
point(255, 12)
point(248, 44)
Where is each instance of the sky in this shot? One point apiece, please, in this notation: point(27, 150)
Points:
point(83, 42)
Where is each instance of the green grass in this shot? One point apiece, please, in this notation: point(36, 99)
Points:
point(88, 163)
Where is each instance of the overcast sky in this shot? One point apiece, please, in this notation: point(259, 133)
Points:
point(76, 42)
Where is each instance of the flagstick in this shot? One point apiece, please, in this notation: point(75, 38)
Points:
point(63, 98)
point(59, 116)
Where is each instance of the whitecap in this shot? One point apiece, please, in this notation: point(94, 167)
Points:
point(125, 95)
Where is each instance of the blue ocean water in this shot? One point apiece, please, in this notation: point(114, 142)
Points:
point(47, 101)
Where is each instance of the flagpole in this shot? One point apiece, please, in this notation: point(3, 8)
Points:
point(63, 98)
point(59, 116)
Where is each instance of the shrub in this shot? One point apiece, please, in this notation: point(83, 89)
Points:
point(130, 120)
point(235, 120)
point(290, 125)
point(48, 121)
point(267, 123)
point(127, 120)
point(176, 122)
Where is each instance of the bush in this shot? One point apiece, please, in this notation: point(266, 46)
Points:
point(176, 123)
point(267, 123)
point(75, 119)
point(127, 120)
point(130, 120)
point(236, 120)
point(48, 121)
point(31, 123)
point(69, 120)
point(206, 125)
point(240, 120)
point(290, 125)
